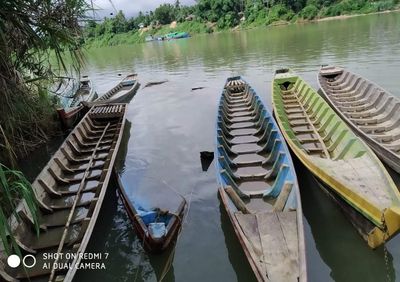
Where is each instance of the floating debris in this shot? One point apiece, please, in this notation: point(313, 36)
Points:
point(149, 84)
point(197, 88)
point(206, 159)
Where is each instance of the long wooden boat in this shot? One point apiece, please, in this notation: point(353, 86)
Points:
point(121, 93)
point(258, 185)
point(337, 157)
point(156, 213)
point(70, 191)
point(372, 112)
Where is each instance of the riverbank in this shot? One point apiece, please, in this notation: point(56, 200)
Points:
point(196, 27)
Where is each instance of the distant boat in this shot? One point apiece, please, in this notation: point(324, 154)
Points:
point(149, 38)
point(176, 35)
point(121, 93)
point(258, 185)
point(155, 211)
point(345, 166)
point(372, 112)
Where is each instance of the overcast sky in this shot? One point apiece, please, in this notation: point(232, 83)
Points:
point(130, 7)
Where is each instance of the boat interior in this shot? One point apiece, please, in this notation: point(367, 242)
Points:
point(370, 108)
point(69, 191)
point(258, 183)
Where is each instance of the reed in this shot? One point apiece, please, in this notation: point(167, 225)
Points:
point(14, 187)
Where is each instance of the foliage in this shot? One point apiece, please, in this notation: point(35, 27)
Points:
point(31, 31)
point(165, 14)
point(13, 188)
point(309, 12)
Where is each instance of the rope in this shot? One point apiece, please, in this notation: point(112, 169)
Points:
point(170, 258)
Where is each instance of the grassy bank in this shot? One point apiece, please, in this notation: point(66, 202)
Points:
point(278, 14)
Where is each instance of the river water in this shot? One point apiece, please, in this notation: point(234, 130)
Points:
point(168, 125)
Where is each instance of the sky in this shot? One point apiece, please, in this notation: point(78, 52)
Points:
point(129, 7)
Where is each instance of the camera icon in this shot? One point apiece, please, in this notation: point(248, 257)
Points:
point(28, 261)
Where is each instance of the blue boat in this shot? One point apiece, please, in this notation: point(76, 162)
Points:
point(258, 185)
point(156, 212)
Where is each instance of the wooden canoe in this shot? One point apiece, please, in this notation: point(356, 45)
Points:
point(156, 213)
point(372, 112)
point(121, 93)
point(337, 157)
point(70, 191)
point(258, 185)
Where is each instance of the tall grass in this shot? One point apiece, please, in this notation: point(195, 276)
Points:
point(14, 188)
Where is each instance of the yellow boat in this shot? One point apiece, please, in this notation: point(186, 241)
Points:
point(341, 161)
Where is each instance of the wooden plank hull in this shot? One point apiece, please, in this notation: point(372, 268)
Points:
point(152, 243)
point(258, 185)
point(375, 116)
point(336, 156)
point(70, 191)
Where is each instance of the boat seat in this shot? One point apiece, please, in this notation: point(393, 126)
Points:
point(253, 188)
point(246, 148)
point(87, 152)
point(243, 131)
point(52, 237)
point(383, 138)
point(73, 159)
point(313, 150)
point(83, 143)
point(249, 159)
point(228, 178)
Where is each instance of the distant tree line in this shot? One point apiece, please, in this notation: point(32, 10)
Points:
point(230, 13)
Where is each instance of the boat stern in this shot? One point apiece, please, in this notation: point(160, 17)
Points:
point(391, 221)
point(285, 76)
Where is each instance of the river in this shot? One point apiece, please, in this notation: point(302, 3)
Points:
point(168, 125)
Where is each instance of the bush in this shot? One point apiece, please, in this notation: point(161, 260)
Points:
point(309, 12)
point(279, 12)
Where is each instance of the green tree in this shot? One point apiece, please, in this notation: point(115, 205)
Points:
point(119, 23)
point(164, 14)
